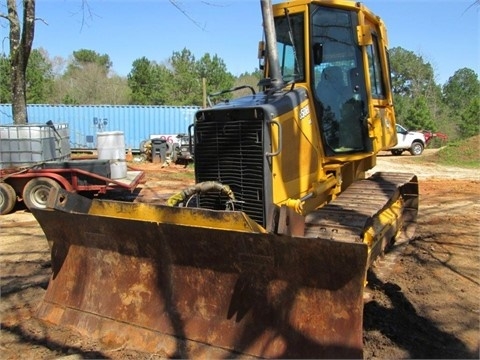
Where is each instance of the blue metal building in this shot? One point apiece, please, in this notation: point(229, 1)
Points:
point(84, 121)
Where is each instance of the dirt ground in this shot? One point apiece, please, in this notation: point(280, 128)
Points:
point(425, 306)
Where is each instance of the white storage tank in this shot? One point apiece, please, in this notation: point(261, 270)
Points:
point(111, 146)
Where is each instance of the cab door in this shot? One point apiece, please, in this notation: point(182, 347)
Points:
point(382, 120)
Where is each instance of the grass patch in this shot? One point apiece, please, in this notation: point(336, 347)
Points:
point(463, 153)
point(181, 175)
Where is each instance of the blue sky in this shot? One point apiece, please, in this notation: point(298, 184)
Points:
point(443, 32)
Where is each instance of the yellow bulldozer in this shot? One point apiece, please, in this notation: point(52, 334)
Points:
point(267, 254)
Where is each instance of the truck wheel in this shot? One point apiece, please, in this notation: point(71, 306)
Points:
point(417, 148)
point(35, 192)
point(397, 152)
point(8, 198)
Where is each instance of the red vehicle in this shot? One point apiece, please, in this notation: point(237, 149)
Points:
point(33, 184)
point(429, 135)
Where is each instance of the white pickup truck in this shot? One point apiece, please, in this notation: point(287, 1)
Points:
point(412, 141)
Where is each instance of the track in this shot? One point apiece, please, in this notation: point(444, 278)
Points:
point(361, 206)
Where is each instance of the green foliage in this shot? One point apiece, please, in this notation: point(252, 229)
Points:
point(140, 81)
point(83, 57)
point(461, 94)
point(411, 76)
point(88, 80)
point(5, 88)
point(148, 83)
point(461, 153)
point(69, 100)
point(179, 82)
point(470, 124)
point(414, 113)
point(162, 86)
point(461, 88)
point(39, 78)
point(418, 116)
point(257, 74)
point(215, 71)
point(90, 85)
point(187, 89)
point(248, 82)
point(248, 79)
point(417, 98)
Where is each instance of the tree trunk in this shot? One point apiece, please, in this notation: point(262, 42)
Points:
point(21, 39)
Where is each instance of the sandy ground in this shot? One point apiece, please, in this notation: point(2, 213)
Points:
point(426, 306)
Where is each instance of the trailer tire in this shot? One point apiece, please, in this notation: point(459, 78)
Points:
point(8, 198)
point(35, 192)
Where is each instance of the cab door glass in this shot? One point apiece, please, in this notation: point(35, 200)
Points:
point(338, 80)
point(376, 77)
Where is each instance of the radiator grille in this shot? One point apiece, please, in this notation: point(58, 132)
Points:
point(229, 149)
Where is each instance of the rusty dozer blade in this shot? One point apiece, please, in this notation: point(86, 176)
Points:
point(165, 280)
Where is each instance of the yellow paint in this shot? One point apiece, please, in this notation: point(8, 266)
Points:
point(228, 220)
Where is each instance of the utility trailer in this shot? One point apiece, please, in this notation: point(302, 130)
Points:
point(33, 184)
point(35, 158)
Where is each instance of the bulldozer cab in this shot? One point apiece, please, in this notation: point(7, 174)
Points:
point(337, 50)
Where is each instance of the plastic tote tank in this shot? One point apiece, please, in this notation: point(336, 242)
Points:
point(111, 146)
point(28, 144)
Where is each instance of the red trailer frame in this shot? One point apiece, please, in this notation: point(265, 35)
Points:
point(14, 183)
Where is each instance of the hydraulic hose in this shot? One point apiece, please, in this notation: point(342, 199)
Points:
point(200, 188)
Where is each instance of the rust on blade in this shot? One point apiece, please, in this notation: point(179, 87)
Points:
point(148, 285)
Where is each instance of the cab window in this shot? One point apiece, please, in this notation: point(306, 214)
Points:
point(338, 80)
point(376, 77)
point(290, 45)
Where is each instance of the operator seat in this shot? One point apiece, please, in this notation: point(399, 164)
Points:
point(332, 90)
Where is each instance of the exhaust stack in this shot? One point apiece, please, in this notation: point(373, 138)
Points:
point(271, 42)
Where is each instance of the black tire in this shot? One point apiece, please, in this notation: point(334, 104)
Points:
point(397, 152)
point(143, 146)
point(417, 148)
point(8, 198)
point(35, 192)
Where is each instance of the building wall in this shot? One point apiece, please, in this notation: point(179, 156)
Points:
point(138, 123)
